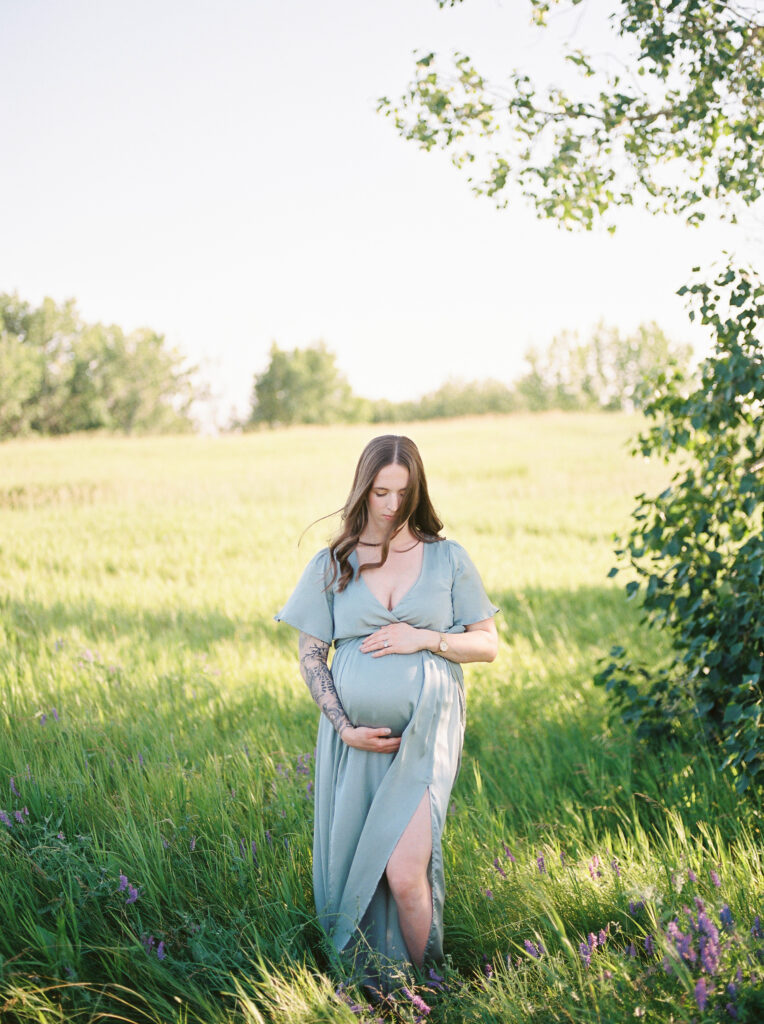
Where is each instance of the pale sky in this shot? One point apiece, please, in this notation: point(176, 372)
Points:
point(217, 171)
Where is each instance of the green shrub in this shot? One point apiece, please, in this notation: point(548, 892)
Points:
point(698, 548)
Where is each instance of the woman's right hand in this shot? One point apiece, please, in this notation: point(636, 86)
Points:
point(363, 737)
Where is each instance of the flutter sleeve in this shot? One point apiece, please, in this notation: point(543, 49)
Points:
point(310, 607)
point(470, 601)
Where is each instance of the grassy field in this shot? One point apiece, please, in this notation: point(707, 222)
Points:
point(156, 744)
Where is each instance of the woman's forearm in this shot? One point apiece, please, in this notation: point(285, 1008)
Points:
point(472, 645)
point(316, 673)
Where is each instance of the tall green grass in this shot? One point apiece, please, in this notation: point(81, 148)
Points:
point(157, 732)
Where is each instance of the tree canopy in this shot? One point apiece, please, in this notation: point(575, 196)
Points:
point(679, 129)
point(301, 385)
point(59, 374)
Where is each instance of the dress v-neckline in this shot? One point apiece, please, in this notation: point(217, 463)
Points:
point(400, 601)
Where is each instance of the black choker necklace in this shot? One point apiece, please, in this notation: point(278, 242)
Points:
point(378, 544)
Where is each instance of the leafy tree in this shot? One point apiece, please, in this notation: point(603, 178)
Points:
point(59, 374)
point(302, 385)
point(607, 371)
point(684, 134)
point(698, 548)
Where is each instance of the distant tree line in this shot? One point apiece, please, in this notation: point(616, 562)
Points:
point(59, 374)
point(606, 371)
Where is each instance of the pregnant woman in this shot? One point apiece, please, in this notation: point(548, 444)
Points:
point(403, 608)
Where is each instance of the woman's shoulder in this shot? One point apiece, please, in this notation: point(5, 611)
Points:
point(455, 554)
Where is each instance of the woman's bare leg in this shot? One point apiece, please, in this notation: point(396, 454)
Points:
point(407, 877)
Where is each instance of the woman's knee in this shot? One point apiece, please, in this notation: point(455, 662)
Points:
point(407, 881)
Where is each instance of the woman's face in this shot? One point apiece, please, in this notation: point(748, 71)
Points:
point(386, 495)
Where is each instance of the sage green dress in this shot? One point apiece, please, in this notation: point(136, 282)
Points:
point(364, 800)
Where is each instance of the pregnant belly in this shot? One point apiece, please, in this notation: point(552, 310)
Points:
point(377, 691)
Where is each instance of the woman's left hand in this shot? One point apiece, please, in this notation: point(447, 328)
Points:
point(397, 638)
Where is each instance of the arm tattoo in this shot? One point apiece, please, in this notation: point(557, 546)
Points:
point(316, 673)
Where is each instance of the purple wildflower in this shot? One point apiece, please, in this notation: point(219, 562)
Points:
point(242, 849)
point(635, 907)
point(192, 844)
point(416, 1001)
point(60, 835)
point(714, 878)
point(632, 950)
point(122, 883)
point(487, 967)
point(5, 819)
point(709, 943)
point(13, 787)
point(585, 952)
point(756, 928)
point(602, 937)
point(308, 790)
point(594, 865)
point(140, 759)
point(731, 1010)
point(614, 865)
point(435, 980)
point(725, 916)
point(499, 868)
point(43, 718)
point(682, 941)
point(161, 951)
point(701, 993)
point(132, 894)
point(649, 946)
point(508, 853)
point(540, 864)
point(534, 950)
point(562, 858)
point(148, 942)
point(54, 713)
point(592, 940)
point(269, 837)
point(165, 844)
point(253, 848)
point(19, 817)
point(700, 904)
point(692, 876)
point(489, 894)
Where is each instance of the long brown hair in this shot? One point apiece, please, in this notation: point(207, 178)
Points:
point(416, 507)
